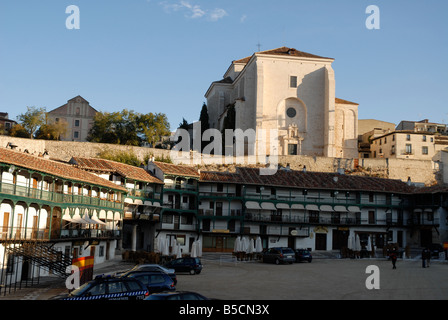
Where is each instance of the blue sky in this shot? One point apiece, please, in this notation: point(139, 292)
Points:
point(162, 55)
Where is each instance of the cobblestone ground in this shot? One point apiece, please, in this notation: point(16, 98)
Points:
point(324, 279)
point(339, 279)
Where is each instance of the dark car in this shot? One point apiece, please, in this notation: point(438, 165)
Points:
point(108, 288)
point(191, 265)
point(436, 249)
point(153, 268)
point(303, 255)
point(179, 295)
point(279, 255)
point(155, 281)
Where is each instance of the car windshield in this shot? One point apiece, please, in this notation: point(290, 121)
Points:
point(83, 288)
point(288, 251)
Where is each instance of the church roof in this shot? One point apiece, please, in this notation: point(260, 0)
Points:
point(283, 51)
point(337, 100)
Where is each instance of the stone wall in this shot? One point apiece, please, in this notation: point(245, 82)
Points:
point(421, 171)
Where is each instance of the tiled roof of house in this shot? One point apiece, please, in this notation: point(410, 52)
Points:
point(55, 168)
point(284, 51)
point(308, 180)
point(125, 170)
point(180, 170)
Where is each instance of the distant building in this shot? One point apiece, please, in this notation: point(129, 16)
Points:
point(78, 114)
point(418, 140)
point(369, 129)
point(5, 123)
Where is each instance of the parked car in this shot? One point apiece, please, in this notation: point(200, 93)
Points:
point(155, 281)
point(191, 265)
point(108, 288)
point(436, 249)
point(279, 255)
point(303, 255)
point(153, 268)
point(178, 295)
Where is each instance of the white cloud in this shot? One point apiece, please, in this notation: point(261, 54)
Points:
point(243, 18)
point(217, 14)
point(193, 11)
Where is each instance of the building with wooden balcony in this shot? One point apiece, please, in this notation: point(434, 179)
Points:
point(142, 201)
point(316, 210)
point(49, 205)
point(179, 222)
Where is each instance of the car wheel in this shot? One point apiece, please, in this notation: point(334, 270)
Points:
point(192, 272)
point(277, 261)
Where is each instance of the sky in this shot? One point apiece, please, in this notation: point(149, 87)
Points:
point(162, 55)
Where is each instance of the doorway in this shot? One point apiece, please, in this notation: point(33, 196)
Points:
point(321, 241)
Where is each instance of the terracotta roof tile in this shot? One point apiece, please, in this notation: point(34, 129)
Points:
point(285, 51)
point(125, 170)
point(181, 170)
point(58, 169)
point(337, 100)
point(308, 180)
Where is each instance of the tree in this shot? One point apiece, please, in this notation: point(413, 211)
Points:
point(19, 131)
point(115, 127)
point(229, 123)
point(128, 127)
point(153, 126)
point(184, 124)
point(32, 120)
point(51, 130)
point(204, 121)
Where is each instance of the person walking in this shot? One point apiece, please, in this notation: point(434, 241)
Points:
point(425, 253)
point(393, 258)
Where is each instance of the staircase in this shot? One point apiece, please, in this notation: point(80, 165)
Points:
point(43, 256)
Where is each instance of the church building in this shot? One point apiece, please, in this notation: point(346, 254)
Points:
point(290, 91)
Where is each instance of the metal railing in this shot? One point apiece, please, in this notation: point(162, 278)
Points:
point(43, 234)
point(57, 197)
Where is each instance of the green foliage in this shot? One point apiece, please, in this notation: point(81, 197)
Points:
point(32, 120)
point(19, 131)
point(153, 126)
point(125, 157)
point(128, 127)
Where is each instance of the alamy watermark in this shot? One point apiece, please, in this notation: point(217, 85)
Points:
point(373, 20)
point(230, 147)
point(373, 280)
point(73, 20)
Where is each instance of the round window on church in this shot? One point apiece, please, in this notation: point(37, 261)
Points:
point(291, 112)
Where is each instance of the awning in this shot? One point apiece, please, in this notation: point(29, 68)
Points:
point(268, 206)
point(297, 206)
point(252, 205)
point(326, 207)
point(98, 221)
point(282, 206)
point(340, 209)
point(312, 207)
point(354, 209)
point(74, 220)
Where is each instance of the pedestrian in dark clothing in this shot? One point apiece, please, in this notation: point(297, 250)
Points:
point(393, 258)
point(425, 256)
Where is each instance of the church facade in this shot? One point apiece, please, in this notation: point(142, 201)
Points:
point(290, 91)
point(78, 116)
